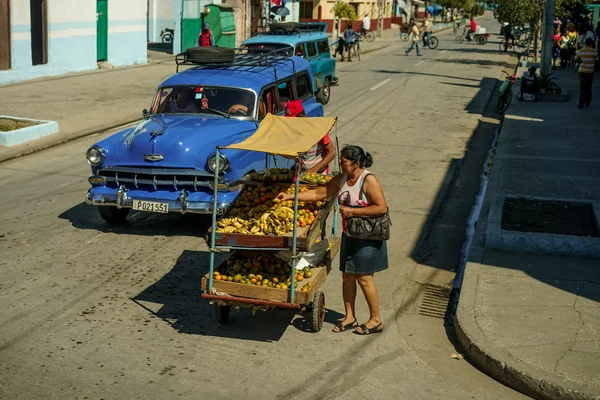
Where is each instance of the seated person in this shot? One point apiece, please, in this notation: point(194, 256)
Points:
point(530, 84)
point(299, 50)
point(317, 159)
point(182, 103)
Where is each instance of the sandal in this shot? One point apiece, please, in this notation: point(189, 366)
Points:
point(367, 331)
point(341, 327)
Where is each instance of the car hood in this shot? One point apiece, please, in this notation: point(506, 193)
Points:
point(180, 141)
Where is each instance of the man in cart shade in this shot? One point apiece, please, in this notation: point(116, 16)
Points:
point(317, 159)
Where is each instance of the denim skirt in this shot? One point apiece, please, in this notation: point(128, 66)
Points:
point(358, 256)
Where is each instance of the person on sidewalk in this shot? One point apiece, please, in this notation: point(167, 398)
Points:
point(366, 24)
point(508, 35)
point(555, 46)
point(472, 29)
point(564, 44)
point(587, 58)
point(359, 194)
point(206, 39)
point(530, 84)
point(426, 29)
point(415, 38)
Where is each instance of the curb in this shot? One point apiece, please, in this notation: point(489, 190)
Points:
point(59, 138)
point(516, 374)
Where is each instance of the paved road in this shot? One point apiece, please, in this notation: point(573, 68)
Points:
point(96, 312)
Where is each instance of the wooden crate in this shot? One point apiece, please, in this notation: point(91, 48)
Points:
point(273, 294)
point(306, 236)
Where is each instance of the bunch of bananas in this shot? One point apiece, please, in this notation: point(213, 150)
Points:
point(277, 221)
point(233, 225)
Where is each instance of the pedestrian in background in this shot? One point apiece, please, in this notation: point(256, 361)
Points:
point(206, 39)
point(360, 195)
point(426, 29)
point(415, 38)
point(587, 58)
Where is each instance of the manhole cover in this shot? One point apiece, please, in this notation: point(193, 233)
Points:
point(433, 301)
point(549, 216)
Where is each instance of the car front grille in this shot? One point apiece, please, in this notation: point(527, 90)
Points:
point(158, 178)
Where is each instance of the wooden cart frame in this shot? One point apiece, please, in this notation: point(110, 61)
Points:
point(226, 294)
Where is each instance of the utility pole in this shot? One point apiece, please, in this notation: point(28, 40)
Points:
point(547, 41)
point(380, 19)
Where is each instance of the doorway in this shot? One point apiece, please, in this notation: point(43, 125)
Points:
point(39, 31)
point(101, 30)
point(4, 34)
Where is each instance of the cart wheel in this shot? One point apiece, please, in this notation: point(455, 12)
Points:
point(318, 311)
point(222, 313)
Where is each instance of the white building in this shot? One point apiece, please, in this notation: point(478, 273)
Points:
point(161, 15)
point(51, 37)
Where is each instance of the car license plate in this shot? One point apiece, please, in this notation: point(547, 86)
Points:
point(151, 206)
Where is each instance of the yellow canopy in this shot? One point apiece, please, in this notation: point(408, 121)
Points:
point(286, 136)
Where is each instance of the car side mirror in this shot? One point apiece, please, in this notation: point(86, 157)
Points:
point(145, 113)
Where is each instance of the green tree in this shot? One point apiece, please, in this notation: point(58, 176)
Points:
point(344, 11)
point(570, 8)
point(517, 12)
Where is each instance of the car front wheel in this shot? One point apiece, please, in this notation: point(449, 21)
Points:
point(324, 93)
point(113, 214)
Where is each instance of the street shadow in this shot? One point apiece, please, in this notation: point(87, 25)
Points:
point(304, 320)
point(176, 299)
point(161, 47)
point(487, 63)
point(84, 216)
point(383, 71)
point(484, 50)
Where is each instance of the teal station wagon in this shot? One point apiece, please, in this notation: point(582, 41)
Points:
point(307, 40)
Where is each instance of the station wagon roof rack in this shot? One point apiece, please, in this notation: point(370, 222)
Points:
point(223, 57)
point(294, 28)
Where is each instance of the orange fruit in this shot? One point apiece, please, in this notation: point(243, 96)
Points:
point(275, 280)
point(253, 280)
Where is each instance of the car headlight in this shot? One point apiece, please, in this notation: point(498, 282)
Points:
point(95, 156)
point(223, 162)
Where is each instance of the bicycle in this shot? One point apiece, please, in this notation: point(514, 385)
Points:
point(433, 42)
point(369, 36)
point(404, 32)
point(506, 93)
point(508, 44)
point(354, 51)
point(166, 35)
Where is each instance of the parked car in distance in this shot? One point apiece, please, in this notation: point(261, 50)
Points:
point(307, 40)
point(166, 163)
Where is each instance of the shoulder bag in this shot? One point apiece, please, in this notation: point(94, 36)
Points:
point(369, 228)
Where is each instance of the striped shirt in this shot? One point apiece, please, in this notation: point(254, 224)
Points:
point(588, 59)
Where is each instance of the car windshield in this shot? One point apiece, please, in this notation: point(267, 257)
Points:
point(204, 100)
point(259, 48)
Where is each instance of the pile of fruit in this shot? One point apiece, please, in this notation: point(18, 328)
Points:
point(273, 175)
point(316, 179)
point(262, 269)
point(257, 211)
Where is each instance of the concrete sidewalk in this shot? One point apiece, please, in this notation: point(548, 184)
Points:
point(532, 321)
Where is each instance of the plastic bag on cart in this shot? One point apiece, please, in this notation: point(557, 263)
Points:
point(307, 258)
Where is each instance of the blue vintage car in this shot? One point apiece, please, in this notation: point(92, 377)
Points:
point(307, 40)
point(166, 162)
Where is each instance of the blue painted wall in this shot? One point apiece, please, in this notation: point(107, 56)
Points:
point(72, 46)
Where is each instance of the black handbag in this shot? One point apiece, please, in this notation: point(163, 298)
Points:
point(373, 228)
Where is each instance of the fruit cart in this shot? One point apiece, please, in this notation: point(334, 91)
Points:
point(264, 236)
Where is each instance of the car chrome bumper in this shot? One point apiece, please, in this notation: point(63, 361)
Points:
point(181, 205)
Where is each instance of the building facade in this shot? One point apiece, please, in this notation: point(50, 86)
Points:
point(52, 37)
point(322, 10)
point(161, 15)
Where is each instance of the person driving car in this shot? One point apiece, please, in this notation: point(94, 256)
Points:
point(243, 106)
point(182, 103)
